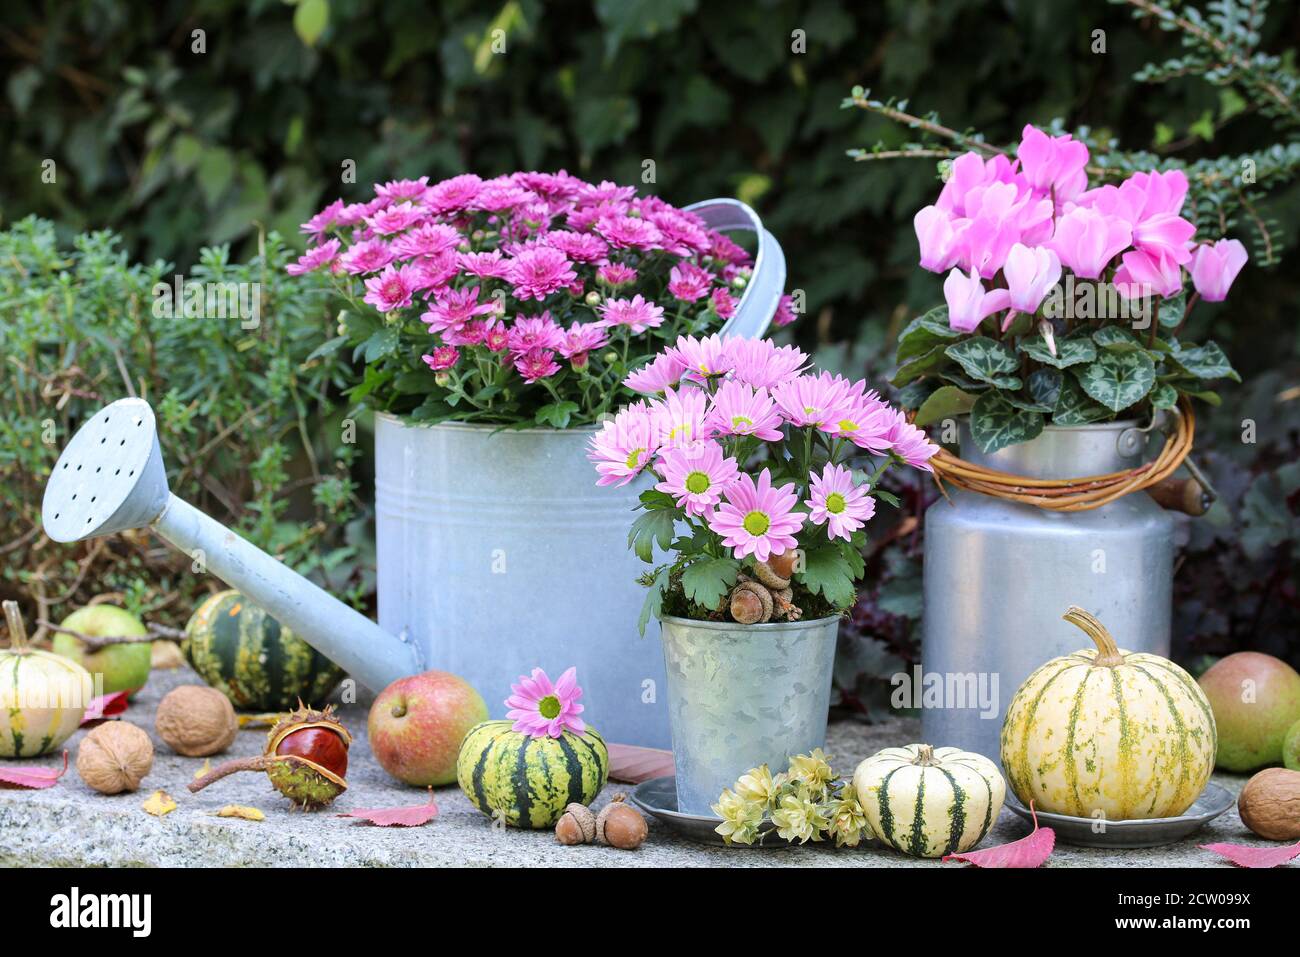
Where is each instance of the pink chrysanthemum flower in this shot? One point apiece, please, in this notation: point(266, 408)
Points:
point(724, 249)
point(427, 239)
point(724, 304)
point(497, 196)
point(535, 332)
point(540, 271)
point(662, 374)
point(757, 519)
point(682, 234)
point(391, 289)
point(580, 247)
point(616, 274)
point(629, 232)
point(624, 445)
point(637, 313)
point(696, 475)
point(864, 420)
point(738, 409)
point(472, 333)
point(811, 400)
point(704, 357)
point(453, 195)
point(540, 709)
point(433, 272)
point(536, 364)
point(688, 282)
point(496, 337)
point(452, 308)
point(785, 313)
point(763, 364)
point(397, 190)
point(581, 338)
point(679, 416)
point(605, 191)
point(320, 224)
point(370, 255)
point(394, 219)
point(488, 265)
point(314, 258)
point(911, 444)
point(442, 357)
point(837, 503)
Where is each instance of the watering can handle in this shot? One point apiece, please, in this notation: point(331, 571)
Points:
point(767, 284)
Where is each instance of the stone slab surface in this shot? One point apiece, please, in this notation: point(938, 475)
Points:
point(71, 825)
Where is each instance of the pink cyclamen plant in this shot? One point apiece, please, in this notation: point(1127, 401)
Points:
point(1063, 299)
point(751, 457)
point(524, 299)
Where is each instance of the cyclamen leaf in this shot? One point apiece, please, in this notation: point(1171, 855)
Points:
point(1069, 352)
point(1205, 362)
point(914, 394)
point(1073, 407)
point(632, 765)
point(32, 779)
point(924, 333)
point(707, 580)
point(1164, 396)
point(1244, 855)
point(995, 423)
point(927, 362)
point(944, 403)
point(413, 816)
point(987, 360)
point(1116, 339)
point(1032, 850)
point(1045, 386)
point(1118, 380)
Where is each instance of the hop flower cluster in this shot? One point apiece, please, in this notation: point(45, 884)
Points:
point(748, 441)
point(805, 803)
point(1018, 224)
point(524, 279)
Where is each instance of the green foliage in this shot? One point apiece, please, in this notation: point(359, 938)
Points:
point(245, 415)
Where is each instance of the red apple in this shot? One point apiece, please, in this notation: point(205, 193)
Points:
point(417, 724)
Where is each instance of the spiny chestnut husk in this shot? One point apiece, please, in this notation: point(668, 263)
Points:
point(306, 758)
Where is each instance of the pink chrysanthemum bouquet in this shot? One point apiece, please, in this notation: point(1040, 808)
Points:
point(1064, 303)
point(520, 300)
point(763, 475)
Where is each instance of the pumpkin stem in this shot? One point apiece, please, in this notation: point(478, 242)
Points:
point(258, 763)
point(1107, 651)
point(925, 756)
point(17, 630)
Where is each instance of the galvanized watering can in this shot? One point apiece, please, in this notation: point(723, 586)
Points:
point(110, 478)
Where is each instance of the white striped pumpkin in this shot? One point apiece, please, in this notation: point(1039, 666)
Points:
point(1108, 734)
point(927, 801)
point(42, 695)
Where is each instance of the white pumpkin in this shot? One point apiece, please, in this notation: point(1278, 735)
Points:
point(927, 801)
point(43, 696)
point(1108, 734)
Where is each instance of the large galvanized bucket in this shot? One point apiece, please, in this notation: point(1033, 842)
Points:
point(741, 696)
point(998, 577)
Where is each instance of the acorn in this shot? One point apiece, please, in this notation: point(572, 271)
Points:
point(306, 759)
point(577, 825)
point(620, 825)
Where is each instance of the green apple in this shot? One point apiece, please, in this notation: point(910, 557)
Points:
point(124, 667)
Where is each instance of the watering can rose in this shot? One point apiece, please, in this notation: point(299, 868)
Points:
point(521, 299)
point(759, 497)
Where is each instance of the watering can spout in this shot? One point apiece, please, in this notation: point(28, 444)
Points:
point(110, 478)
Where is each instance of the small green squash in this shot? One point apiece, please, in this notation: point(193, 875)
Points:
point(43, 696)
point(256, 662)
point(526, 781)
point(929, 802)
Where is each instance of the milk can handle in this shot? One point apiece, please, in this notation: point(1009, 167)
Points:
point(767, 284)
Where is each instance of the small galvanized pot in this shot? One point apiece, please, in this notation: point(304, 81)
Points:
point(743, 695)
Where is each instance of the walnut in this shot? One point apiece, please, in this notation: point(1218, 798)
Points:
point(115, 757)
point(196, 721)
point(1270, 804)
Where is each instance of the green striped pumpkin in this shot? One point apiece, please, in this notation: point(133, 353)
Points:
point(529, 781)
point(43, 696)
point(252, 659)
point(1104, 733)
point(928, 802)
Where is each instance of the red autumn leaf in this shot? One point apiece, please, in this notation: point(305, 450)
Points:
point(32, 778)
point(632, 765)
point(1244, 855)
point(1030, 851)
point(412, 816)
point(104, 707)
